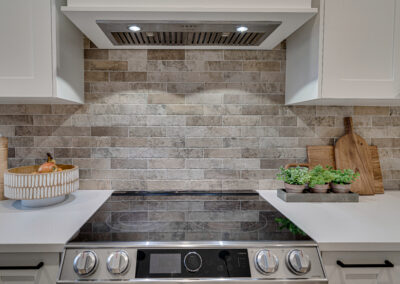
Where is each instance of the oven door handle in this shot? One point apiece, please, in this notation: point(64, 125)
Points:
point(343, 265)
point(35, 267)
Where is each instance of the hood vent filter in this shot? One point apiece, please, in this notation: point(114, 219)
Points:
point(187, 34)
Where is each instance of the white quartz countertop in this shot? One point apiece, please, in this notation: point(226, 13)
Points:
point(46, 229)
point(373, 224)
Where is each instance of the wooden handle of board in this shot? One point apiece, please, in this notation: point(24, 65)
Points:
point(348, 125)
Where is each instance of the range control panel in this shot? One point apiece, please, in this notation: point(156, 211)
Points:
point(188, 263)
point(131, 263)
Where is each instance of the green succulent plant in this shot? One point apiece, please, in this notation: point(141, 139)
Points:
point(345, 176)
point(285, 223)
point(320, 175)
point(297, 175)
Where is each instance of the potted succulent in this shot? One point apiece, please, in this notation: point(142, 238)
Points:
point(320, 179)
point(295, 179)
point(342, 180)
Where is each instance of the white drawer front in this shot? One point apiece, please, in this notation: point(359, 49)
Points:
point(371, 273)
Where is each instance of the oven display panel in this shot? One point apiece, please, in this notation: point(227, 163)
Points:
point(165, 263)
point(199, 263)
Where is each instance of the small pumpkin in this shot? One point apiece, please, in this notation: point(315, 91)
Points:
point(50, 166)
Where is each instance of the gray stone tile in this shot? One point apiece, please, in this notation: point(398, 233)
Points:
point(128, 185)
point(121, 217)
point(203, 120)
point(221, 205)
point(256, 205)
point(72, 152)
point(20, 142)
point(147, 131)
point(128, 164)
point(129, 237)
point(185, 205)
point(70, 131)
point(48, 120)
point(110, 152)
point(209, 216)
point(8, 131)
point(110, 131)
point(93, 142)
point(167, 216)
point(221, 174)
point(16, 120)
point(213, 226)
point(160, 54)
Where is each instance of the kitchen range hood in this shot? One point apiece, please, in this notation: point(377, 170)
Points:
point(177, 24)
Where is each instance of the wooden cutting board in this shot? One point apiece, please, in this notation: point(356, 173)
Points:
point(352, 152)
point(321, 155)
point(376, 166)
point(325, 155)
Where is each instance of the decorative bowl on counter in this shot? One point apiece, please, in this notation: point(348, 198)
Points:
point(40, 189)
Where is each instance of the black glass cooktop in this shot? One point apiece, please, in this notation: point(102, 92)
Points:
point(185, 216)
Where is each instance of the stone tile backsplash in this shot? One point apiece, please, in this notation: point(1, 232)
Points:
point(188, 120)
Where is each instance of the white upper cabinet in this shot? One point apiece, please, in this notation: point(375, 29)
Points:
point(349, 54)
point(41, 54)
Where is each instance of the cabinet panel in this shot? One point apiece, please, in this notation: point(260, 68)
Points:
point(20, 66)
point(19, 277)
point(26, 56)
point(361, 49)
point(357, 275)
point(47, 274)
point(303, 56)
point(360, 276)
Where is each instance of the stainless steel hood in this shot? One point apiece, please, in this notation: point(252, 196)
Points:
point(175, 24)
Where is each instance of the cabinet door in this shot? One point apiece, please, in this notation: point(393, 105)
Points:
point(25, 48)
point(47, 274)
point(19, 277)
point(357, 275)
point(361, 50)
point(337, 275)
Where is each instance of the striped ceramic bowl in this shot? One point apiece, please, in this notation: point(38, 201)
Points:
point(24, 184)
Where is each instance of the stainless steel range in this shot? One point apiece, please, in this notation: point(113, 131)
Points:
point(178, 237)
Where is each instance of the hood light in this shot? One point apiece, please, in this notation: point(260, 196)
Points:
point(134, 28)
point(242, 29)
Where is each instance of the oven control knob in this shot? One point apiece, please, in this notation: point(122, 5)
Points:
point(266, 262)
point(117, 262)
point(192, 261)
point(85, 263)
point(298, 262)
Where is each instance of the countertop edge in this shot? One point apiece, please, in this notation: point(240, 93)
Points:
point(327, 245)
point(58, 243)
point(361, 247)
point(32, 248)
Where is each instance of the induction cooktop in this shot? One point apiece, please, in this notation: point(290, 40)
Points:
point(185, 216)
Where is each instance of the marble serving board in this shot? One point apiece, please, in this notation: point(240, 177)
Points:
point(317, 197)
